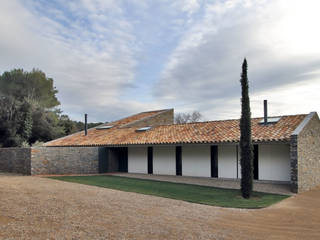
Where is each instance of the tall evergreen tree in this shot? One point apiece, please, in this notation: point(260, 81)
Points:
point(246, 147)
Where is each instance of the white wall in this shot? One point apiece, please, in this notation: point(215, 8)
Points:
point(137, 159)
point(164, 160)
point(227, 161)
point(274, 162)
point(196, 160)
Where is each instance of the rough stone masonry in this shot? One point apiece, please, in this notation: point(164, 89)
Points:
point(305, 154)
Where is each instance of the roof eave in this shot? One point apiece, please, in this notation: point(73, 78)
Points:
point(227, 142)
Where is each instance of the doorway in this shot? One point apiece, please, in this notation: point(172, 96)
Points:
point(150, 160)
point(178, 160)
point(122, 155)
point(113, 159)
point(255, 162)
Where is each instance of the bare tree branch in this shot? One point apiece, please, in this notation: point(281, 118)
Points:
point(195, 116)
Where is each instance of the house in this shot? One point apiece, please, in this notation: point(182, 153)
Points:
point(286, 148)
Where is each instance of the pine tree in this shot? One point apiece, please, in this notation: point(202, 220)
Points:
point(246, 148)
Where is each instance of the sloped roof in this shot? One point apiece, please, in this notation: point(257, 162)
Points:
point(136, 117)
point(224, 131)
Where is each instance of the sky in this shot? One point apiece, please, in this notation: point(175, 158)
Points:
point(113, 58)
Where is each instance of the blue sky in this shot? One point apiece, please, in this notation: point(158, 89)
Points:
point(111, 58)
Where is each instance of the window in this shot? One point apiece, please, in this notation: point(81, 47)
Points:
point(270, 120)
point(104, 127)
point(143, 129)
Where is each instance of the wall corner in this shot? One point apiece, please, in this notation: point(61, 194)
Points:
point(294, 163)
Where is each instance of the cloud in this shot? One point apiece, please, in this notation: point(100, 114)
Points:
point(110, 58)
point(100, 53)
point(84, 47)
point(203, 72)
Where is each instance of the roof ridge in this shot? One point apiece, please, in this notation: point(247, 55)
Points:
point(160, 110)
point(146, 117)
point(156, 111)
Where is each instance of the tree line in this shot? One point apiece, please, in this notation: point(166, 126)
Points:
point(29, 110)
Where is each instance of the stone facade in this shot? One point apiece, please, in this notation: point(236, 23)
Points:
point(294, 163)
point(308, 152)
point(305, 154)
point(15, 160)
point(162, 118)
point(64, 160)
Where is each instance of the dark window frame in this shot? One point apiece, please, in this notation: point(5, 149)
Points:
point(150, 160)
point(214, 161)
point(178, 160)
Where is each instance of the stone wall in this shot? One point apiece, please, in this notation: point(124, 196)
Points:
point(308, 151)
point(15, 160)
point(305, 154)
point(294, 163)
point(64, 160)
point(162, 118)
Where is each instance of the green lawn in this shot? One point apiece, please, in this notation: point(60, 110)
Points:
point(187, 192)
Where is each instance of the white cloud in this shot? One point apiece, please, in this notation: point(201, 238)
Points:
point(97, 50)
point(188, 6)
point(288, 99)
point(89, 57)
point(204, 70)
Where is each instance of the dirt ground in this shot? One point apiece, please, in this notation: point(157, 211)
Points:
point(40, 208)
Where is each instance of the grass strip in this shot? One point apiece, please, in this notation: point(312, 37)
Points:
point(230, 198)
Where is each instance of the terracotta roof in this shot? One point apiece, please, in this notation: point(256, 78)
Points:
point(133, 118)
point(202, 132)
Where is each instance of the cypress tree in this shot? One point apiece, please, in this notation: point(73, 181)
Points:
point(246, 148)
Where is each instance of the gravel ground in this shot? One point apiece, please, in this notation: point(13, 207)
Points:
point(40, 208)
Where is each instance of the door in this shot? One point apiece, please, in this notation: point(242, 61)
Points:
point(122, 155)
point(178, 161)
point(150, 160)
point(214, 161)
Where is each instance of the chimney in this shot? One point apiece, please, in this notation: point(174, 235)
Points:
point(265, 104)
point(85, 124)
